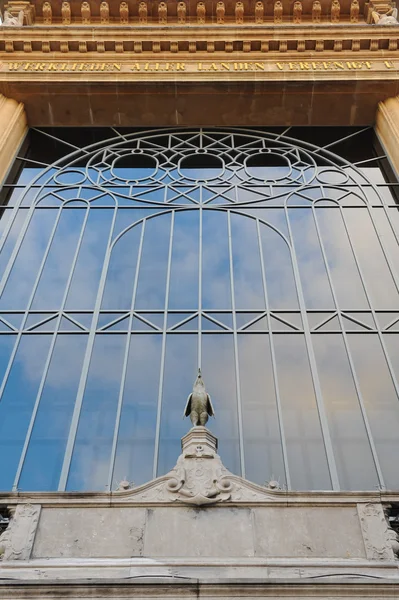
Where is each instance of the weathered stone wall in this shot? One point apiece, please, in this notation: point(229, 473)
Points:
point(218, 532)
point(199, 520)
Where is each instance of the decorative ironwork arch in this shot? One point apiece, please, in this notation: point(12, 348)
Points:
point(240, 179)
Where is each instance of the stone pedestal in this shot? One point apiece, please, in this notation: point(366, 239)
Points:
point(199, 441)
point(199, 476)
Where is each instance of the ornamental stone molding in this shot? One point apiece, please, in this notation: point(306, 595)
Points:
point(199, 478)
point(255, 40)
point(116, 12)
point(199, 521)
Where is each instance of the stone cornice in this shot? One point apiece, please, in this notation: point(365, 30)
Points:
point(300, 40)
point(168, 587)
point(134, 497)
point(114, 12)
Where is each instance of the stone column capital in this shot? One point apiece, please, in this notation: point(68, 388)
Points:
point(387, 128)
point(13, 127)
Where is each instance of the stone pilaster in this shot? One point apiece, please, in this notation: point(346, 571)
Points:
point(13, 127)
point(387, 128)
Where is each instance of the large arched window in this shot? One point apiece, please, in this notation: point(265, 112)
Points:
point(129, 259)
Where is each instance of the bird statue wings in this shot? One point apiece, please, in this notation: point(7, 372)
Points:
point(199, 403)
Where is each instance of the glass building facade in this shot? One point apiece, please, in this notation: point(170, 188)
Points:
point(267, 258)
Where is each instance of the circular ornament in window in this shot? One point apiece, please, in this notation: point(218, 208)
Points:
point(268, 166)
point(70, 177)
point(332, 177)
point(201, 166)
point(134, 166)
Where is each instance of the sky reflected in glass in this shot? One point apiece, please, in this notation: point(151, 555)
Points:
point(273, 268)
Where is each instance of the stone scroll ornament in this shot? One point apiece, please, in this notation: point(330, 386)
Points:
point(199, 477)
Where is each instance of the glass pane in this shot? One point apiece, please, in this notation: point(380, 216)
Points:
point(26, 267)
point(248, 288)
point(378, 279)
point(91, 456)
point(122, 270)
point(305, 448)
point(216, 291)
point(218, 371)
point(10, 231)
point(381, 401)
point(136, 436)
point(84, 285)
point(347, 429)
point(44, 458)
point(181, 362)
point(18, 400)
point(183, 291)
point(261, 430)
point(51, 288)
point(154, 263)
point(315, 285)
point(344, 273)
point(387, 232)
point(281, 288)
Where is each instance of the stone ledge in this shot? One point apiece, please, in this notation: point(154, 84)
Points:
point(141, 588)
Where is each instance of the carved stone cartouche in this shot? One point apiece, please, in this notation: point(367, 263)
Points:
point(16, 541)
point(199, 478)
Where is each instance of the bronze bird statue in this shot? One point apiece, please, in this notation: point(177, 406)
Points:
point(199, 403)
